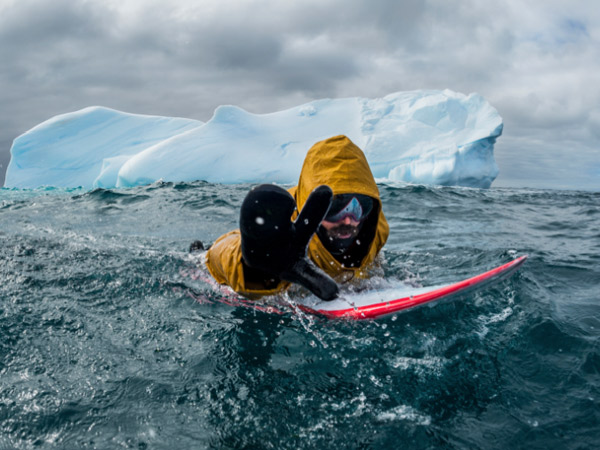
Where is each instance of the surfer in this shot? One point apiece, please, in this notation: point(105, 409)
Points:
point(328, 229)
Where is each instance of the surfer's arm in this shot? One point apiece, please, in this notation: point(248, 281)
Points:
point(272, 244)
point(225, 264)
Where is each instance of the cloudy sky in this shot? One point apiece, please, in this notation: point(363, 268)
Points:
point(536, 62)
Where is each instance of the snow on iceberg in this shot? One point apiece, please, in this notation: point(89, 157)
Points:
point(86, 148)
point(425, 137)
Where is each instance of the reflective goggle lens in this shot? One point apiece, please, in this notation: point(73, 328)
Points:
point(356, 206)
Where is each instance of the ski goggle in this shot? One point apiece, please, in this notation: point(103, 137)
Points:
point(356, 206)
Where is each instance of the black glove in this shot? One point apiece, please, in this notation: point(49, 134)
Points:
point(272, 243)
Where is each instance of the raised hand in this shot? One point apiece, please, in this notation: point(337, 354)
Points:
point(271, 242)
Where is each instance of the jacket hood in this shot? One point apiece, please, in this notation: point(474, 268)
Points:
point(340, 164)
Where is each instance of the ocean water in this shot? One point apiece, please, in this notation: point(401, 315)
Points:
point(110, 339)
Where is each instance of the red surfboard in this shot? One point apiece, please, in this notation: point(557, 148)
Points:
point(370, 305)
point(356, 306)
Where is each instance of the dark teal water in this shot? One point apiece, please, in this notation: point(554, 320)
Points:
point(104, 345)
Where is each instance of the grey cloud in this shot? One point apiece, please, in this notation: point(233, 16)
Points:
point(184, 58)
point(40, 22)
point(218, 47)
point(4, 159)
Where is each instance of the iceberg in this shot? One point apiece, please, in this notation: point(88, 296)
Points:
point(424, 137)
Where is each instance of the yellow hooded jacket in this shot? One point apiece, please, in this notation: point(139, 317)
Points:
point(338, 163)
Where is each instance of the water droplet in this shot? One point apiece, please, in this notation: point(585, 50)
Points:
point(260, 221)
point(305, 221)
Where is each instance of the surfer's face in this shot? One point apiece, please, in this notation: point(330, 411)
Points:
point(345, 217)
point(347, 228)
